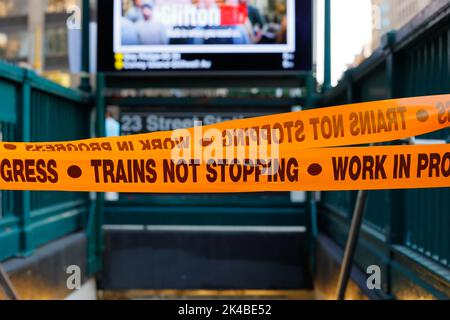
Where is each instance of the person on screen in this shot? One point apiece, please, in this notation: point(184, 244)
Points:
point(134, 14)
point(282, 34)
point(254, 14)
point(238, 35)
point(150, 31)
point(207, 4)
point(129, 33)
point(245, 30)
point(256, 21)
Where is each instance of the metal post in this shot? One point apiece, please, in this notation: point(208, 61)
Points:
point(7, 286)
point(100, 198)
point(26, 245)
point(327, 45)
point(311, 90)
point(311, 196)
point(351, 244)
point(85, 84)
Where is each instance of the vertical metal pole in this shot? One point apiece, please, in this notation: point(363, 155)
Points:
point(313, 229)
point(7, 286)
point(351, 244)
point(311, 91)
point(327, 45)
point(26, 246)
point(100, 199)
point(311, 196)
point(85, 84)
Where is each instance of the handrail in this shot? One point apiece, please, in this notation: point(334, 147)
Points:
point(13, 73)
point(356, 223)
point(44, 111)
point(6, 284)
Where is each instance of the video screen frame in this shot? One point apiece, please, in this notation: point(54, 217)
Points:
point(224, 63)
point(288, 47)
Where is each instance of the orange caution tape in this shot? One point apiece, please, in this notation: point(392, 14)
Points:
point(387, 167)
point(353, 124)
point(274, 153)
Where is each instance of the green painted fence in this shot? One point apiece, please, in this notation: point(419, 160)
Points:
point(405, 232)
point(34, 109)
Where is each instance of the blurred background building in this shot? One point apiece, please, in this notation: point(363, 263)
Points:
point(34, 35)
point(393, 14)
point(387, 15)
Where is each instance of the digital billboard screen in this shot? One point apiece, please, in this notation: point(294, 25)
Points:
point(204, 35)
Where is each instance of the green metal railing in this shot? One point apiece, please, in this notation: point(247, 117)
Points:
point(37, 110)
point(407, 232)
